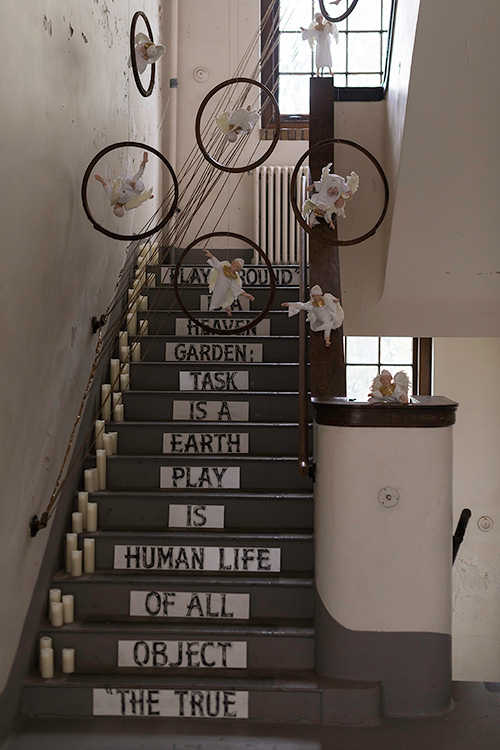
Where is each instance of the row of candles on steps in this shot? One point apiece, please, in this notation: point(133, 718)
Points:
point(85, 519)
point(61, 612)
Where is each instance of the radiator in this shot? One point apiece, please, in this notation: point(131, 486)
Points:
point(277, 231)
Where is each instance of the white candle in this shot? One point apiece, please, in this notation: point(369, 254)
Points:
point(143, 327)
point(151, 279)
point(92, 517)
point(142, 259)
point(99, 432)
point(68, 660)
point(89, 555)
point(122, 339)
point(101, 468)
point(83, 498)
point(76, 563)
point(132, 294)
point(56, 612)
point(47, 663)
point(140, 275)
point(125, 369)
point(54, 595)
point(125, 380)
point(114, 373)
point(114, 438)
point(71, 545)
point(118, 413)
point(88, 480)
point(77, 522)
point(45, 642)
point(154, 254)
point(132, 324)
point(95, 474)
point(136, 352)
point(108, 444)
point(106, 401)
point(124, 353)
point(117, 399)
point(143, 303)
point(68, 602)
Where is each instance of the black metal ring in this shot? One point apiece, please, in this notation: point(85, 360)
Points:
point(141, 235)
point(323, 233)
point(272, 284)
point(276, 124)
point(145, 92)
point(339, 18)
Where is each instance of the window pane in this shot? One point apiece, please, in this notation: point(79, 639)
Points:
point(386, 12)
point(362, 349)
point(367, 16)
point(363, 53)
point(295, 54)
point(359, 379)
point(294, 95)
point(340, 80)
point(293, 15)
point(339, 54)
point(396, 349)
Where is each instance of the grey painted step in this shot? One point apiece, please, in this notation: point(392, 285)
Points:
point(221, 351)
point(206, 438)
point(163, 298)
point(150, 511)
point(208, 552)
point(203, 473)
point(159, 405)
point(107, 596)
point(251, 275)
point(167, 322)
point(159, 376)
point(300, 697)
point(187, 647)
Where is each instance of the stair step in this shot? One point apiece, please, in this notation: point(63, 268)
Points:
point(163, 298)
point(206, 438)
point(168, 323)
point(298, 697)
point(107, 596)
point(203, 473)
point(150, 511)
point(211, 552)
point(224, 379)
point(108, 647)
point(223, 351)
point(162, 405)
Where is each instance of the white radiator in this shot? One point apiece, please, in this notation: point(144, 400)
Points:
point(277, 231)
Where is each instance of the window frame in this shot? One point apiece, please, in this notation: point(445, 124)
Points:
point(270, 70)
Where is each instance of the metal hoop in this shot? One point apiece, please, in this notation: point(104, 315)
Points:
point(145, 92)
point(339, 18)
point(272, 284)
point(323, 233)
point(140, 235)
point(277, 126)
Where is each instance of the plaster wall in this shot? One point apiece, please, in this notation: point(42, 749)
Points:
point(68, 94)
point(466, 369)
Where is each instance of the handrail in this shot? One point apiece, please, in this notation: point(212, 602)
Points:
point(303, 452)
point(460, 530)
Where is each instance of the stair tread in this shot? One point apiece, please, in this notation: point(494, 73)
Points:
point(166, 629)
point(210, 534)
point(124, 577)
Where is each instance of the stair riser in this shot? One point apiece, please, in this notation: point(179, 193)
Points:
point(170, 649)
point(214, 473)
point(162, 322)
point(163, 376)
point(152, 514)
point(221, 351)
point(111, 601)
point(165, 299)
point(138, 554)
point(304, 706)
point(183, 438)
point(251, 275)
point(156, 406)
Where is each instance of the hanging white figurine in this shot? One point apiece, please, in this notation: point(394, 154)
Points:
point(324, 312)
point(224, 282)
point(239, 122)
point(319, 34)
point(386, 390)
point(332, 192)
point(126, 192)
point(146, 52)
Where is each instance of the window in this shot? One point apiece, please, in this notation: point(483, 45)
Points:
point(365, 356)
point(360, 57)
